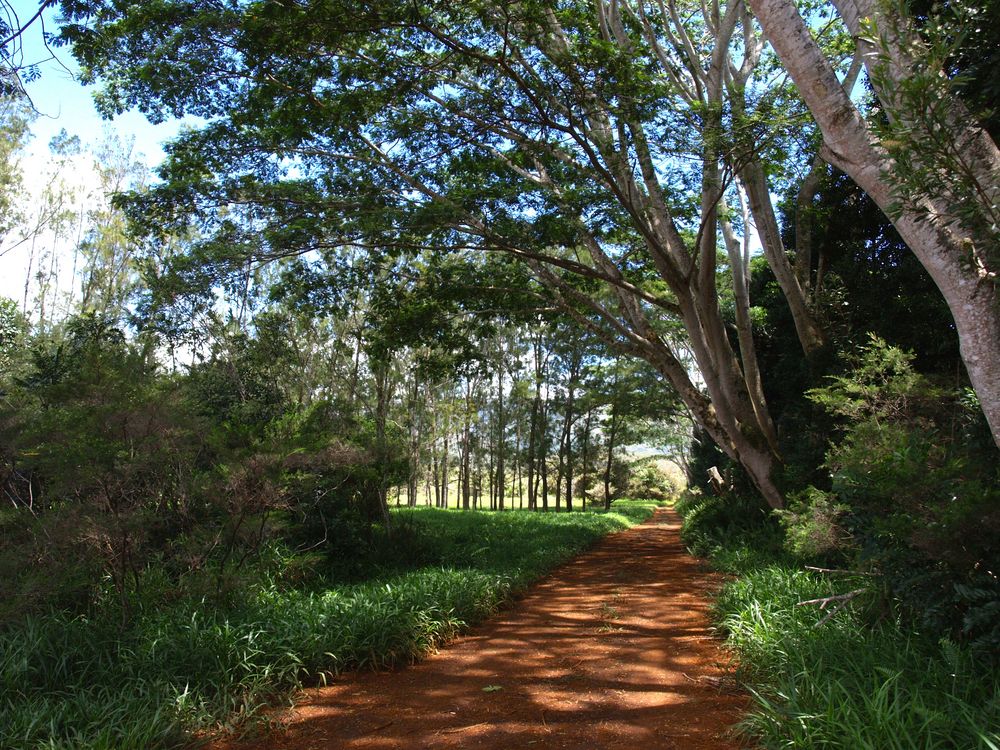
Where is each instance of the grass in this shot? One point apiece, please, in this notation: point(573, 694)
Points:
point(856, 682)
point(76, 682)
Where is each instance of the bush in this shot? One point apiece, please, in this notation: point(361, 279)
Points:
point(735, 530)
point(654, 478)
point(115, 470)
point(814, 526)
point(915, 494)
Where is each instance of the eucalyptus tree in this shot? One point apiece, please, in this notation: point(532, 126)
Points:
point(588, 140)
point(56, 217)
point(15, 119)
point(537, 441)
point(110, 270)
point(634, 410)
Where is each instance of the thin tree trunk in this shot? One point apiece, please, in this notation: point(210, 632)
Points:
point(533, 448)
point(545, 472)
point(491, 465)
point(811, 336)
point(445, 477)
point(612, 434)
point(518, 475)
point(585, 458)
point(501, 429)
point(466, 465)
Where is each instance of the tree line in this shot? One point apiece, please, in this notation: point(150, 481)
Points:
point(297, 404)
point(467, 224)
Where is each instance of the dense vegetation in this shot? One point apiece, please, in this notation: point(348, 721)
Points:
point(188, 660)
point(856, 674)
point(494, 256)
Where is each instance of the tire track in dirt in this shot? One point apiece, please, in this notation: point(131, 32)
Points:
point(612, 650)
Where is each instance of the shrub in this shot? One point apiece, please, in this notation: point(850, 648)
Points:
point(814, 525)
point(654, 478)
point(914, 490)
point(735, 530)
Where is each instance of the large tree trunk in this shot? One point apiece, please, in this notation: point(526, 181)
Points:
point(811, 336)
point(940, 243)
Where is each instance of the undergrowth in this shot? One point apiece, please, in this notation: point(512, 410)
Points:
point(866, 678)
point(90, 682)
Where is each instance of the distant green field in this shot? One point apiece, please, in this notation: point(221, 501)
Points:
point(73, 682)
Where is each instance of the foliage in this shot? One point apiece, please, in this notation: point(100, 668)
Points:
point(650, 478)
point(455, 146)
point(914, 483)
point(15, 118)
point(79, 682)
point(712, 522)
point(96, 441)
point(13, 330)
point(847, 684)
point(314, 254)
point(331, 477)
point(857, 680)
point(814, 529)
point(112, 467)
point(922, 115)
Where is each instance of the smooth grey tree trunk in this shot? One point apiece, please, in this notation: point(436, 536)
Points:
point(939, 242)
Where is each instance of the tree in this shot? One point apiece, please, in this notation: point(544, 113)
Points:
point(589, 141)
point(110, 263)
point(13, 70)
point(634, 409)
point(938, 174)
point(14, 121)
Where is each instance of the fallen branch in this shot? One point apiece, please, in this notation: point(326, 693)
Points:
point(823, 601)
point(841, 599)
point(836, 571)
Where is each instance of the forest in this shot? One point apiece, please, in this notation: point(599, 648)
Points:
point(426, 299)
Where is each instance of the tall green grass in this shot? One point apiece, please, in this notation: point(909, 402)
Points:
point(75, 682)
point(863, 680)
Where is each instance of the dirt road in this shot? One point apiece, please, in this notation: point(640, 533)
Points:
point(613, 650)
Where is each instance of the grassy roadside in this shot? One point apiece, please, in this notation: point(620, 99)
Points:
point(78, 682)
point(861, 680)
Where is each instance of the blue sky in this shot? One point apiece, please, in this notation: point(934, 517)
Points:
point(63, 103)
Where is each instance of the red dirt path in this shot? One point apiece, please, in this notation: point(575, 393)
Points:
point(613, 650)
